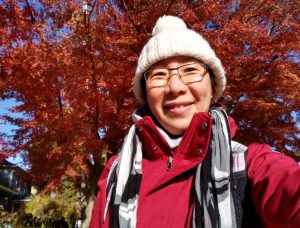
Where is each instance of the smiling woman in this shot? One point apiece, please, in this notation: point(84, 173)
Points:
point(175, 103)
point(179, 166)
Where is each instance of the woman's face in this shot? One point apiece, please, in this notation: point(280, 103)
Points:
point(175, 104)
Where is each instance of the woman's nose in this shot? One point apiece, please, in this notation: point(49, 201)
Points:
point(176, 85)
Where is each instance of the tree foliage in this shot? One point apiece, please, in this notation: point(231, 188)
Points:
point(6, 218)
point(70, 64)
point(45, 210)
point(64, 203)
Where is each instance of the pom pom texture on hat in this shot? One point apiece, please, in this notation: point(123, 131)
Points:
point(171, 37)
point(168, 23)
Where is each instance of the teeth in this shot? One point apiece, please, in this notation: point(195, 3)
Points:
point(180, 107)
point(177, 107)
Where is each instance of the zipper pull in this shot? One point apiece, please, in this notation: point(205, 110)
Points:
point(170, 162)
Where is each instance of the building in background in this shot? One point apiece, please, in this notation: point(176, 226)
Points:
point(15, 186)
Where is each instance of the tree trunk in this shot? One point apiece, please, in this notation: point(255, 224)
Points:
point(88, 211)
point(89, 189)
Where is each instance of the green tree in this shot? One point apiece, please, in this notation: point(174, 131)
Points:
point(6, 218)
point(64, 202)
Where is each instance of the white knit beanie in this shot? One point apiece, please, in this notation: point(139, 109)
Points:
point(171, 37)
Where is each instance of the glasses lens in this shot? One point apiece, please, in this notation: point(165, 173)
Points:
point(189, 73)
point(192, 72)
point(157, 77)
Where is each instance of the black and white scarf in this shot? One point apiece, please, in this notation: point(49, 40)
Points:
point(213, 201)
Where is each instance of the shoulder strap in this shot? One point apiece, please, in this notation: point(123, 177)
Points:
point(238, 156)
point(246, 215)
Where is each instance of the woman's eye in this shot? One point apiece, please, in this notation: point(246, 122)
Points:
point(190, 69)
point(158, 74)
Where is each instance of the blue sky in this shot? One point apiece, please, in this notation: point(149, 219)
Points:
point(8, 128)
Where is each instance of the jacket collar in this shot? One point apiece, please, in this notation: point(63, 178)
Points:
point(196, 136)
point(194, 141)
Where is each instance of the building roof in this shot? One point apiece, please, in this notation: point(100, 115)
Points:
point(4, 164)
point(7, 163)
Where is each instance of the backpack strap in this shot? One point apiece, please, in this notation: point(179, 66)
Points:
point(238, 156)
point(246, 215)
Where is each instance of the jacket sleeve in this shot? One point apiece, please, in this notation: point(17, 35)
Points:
point(275, 187)
point(97, 219)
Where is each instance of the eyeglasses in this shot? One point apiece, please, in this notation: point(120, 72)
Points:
point(188, 73)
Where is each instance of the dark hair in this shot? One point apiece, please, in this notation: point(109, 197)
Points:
point(212, 80)
point(143, 88)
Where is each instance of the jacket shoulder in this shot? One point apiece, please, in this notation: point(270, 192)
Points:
point(107, 168)
point(274, 181)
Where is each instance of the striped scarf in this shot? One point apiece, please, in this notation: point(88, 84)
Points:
point(213, 208)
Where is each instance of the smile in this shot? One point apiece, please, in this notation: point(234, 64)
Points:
point(178, 108)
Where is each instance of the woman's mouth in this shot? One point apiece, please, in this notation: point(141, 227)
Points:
point(178, 108)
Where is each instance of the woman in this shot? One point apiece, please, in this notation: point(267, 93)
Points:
point(178, 166)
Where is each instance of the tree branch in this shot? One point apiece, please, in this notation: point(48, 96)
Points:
point(30, 11)
point(131, 18)
point(169, 6)
point(90, 14)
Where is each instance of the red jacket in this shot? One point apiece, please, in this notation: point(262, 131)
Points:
point(166, 195)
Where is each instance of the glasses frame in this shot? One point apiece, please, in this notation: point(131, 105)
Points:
point(178, 75)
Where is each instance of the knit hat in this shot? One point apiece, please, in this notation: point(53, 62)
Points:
point(171, 37)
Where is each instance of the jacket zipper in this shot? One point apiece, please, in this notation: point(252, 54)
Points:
point(170, 162)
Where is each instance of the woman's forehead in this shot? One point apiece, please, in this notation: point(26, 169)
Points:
point(173, 62)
